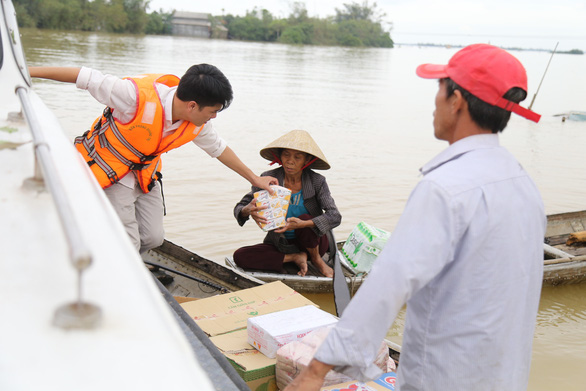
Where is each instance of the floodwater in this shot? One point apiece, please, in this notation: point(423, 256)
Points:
point(372, 117)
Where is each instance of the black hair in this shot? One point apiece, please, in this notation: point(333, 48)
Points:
point(485, 115)
point(206, 85)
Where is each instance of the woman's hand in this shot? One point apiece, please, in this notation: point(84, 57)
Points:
point(294, 223)
point(252, 211)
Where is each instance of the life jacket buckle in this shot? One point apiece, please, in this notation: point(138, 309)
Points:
point(113, 177)
point(148, 159)
point(137, 166)
point(107, 112)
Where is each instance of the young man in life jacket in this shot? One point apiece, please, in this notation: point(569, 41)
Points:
point(148, 115)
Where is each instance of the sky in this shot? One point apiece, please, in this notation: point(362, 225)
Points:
point(538, 24)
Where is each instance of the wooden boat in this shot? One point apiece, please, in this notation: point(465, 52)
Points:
point(572, 116)
point(312, 282)
point(564, 264)
point(186, 274)
point(196, 276)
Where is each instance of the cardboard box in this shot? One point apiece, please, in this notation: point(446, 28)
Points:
point(183, 299)
point(256, 369)
point(224, 318)
point(269, 332)
point(228, 312)
point(385, 382)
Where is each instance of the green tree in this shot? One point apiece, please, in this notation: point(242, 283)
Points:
point(298, 13)
point(159, 23)
point(362, 33)
point(255, 26)
point(298, 34)
point(23, 17)
point(324, 32)
point(357, 11)
point(57, 14)
point(136, 14)
point(114, 18)
point(277, 27)
point(361, 25)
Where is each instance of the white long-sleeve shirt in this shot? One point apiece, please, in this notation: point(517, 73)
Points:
point(467, 258)
point(120, 94)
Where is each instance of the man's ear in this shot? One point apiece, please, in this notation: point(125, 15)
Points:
point(192, 105)
point(457, 101)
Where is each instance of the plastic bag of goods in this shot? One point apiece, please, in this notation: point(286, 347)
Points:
point(363, 246)
point(295, 356)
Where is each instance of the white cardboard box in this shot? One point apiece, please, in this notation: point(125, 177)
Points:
point(268, 333)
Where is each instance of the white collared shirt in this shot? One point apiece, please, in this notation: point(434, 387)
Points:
point(120, 94)
point(467, 258)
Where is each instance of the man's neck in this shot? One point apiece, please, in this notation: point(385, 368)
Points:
point(175, 109)
point(466, 127)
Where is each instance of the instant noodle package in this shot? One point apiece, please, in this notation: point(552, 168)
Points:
point(277, 205)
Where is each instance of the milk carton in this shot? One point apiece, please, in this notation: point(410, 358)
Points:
point(267, 333)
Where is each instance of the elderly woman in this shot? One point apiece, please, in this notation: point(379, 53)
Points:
point(311, 214)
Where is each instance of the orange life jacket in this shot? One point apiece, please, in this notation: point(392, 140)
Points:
point(113, 149)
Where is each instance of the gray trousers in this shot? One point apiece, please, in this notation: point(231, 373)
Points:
point(141, 214)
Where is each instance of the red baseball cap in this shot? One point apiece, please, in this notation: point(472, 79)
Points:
point(485, 71)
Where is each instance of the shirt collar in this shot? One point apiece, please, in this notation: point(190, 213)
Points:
point(166, 94)
point(461, 147)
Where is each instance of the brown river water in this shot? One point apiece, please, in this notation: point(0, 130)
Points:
point(371, 116)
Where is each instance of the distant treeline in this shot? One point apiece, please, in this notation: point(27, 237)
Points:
point(357, 24)
point(354, 25)
point(115, 16)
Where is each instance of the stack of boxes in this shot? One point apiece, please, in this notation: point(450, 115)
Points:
point(250, 325)
point(225, 317)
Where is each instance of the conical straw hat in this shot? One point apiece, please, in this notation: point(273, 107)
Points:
point(299, 140)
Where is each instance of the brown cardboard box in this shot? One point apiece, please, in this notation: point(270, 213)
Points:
point(183, 299)
point(230, 311)
point(257, 370)
point(224, 318)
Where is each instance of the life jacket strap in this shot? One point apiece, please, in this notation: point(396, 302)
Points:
point(88, 144)
point(109, 123)
point(112, 124)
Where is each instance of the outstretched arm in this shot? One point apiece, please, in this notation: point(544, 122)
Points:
point(65, 74)
point(233, 162)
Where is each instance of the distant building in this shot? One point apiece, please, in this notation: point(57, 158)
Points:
point(194, 24)
point(191, 24)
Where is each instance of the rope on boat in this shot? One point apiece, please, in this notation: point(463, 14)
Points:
point(211, 284)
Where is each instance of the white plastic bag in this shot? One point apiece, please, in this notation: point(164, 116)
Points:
point(363, 246)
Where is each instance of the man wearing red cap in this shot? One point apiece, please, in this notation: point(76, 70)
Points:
point(466, 255)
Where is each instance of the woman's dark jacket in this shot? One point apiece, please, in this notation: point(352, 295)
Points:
point(317, 200)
